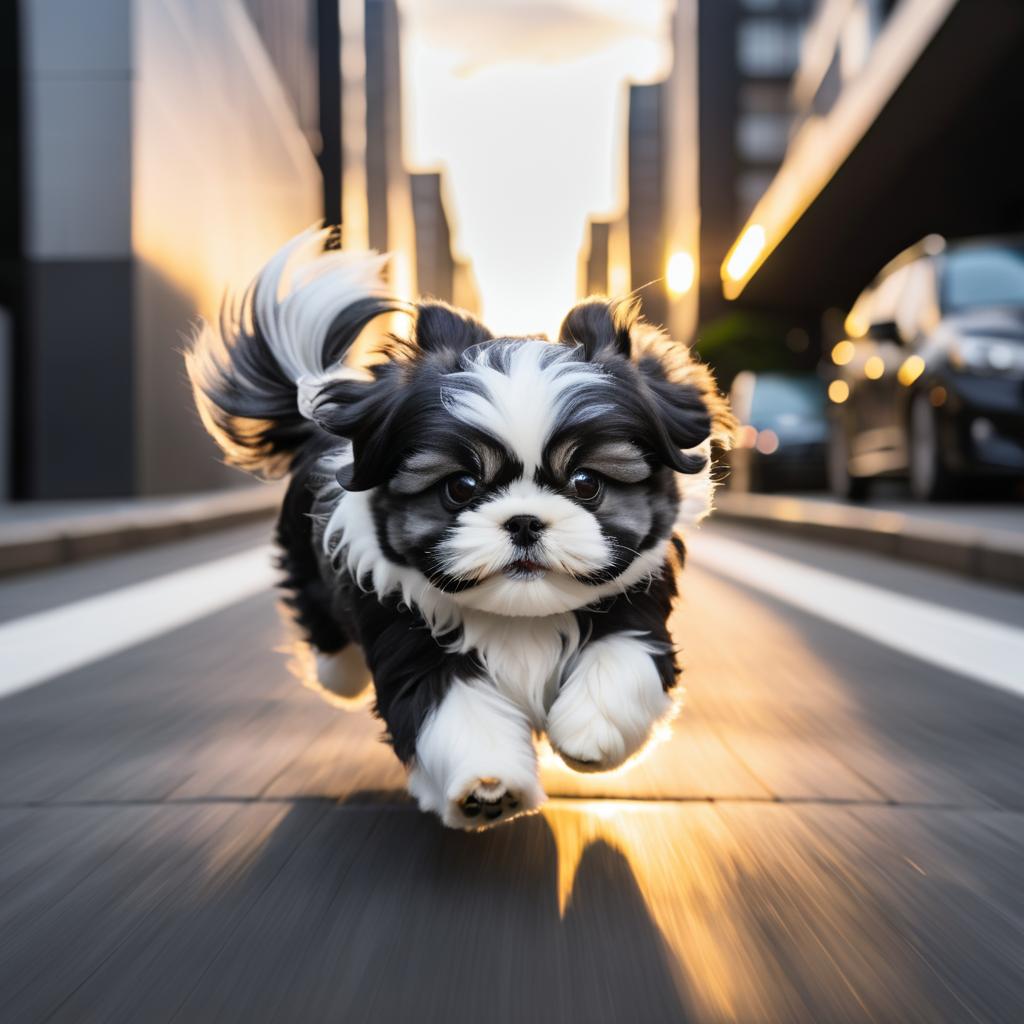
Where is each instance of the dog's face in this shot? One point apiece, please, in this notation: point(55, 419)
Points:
point(520, 476)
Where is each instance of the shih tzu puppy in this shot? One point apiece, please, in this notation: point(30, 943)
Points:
point(485, 527)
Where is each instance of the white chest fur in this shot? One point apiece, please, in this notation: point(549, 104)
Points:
point(524, 657)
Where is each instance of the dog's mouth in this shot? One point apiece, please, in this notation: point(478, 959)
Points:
point(525, 569)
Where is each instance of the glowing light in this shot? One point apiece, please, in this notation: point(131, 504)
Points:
point(767, 442)
point(680, 273)
point(874, 367)
point(747, 437)
point(854, 325)
point(937, 396)
point(912, 368)
point(745, 253)
point(838, 391)
point(843, 352)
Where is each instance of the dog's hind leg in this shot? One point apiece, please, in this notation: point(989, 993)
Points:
point(327, 658)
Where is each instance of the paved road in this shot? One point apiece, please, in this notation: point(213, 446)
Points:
point(833, 832)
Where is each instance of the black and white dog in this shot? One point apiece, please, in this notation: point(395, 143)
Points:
point(486, 526)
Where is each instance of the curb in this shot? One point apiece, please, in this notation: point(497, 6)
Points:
point(988, 554)
point(28, 546)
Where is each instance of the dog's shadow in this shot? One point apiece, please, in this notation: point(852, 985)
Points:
point(390, 917)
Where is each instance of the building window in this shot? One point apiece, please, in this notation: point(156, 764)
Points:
point(762, 138)
point(766, 46)
point(764, 98)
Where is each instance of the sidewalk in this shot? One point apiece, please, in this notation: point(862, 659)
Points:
point(38, 535)
point(980, 541)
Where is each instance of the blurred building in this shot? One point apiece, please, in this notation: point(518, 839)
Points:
point(646, 216)
point(747, 51)
point(594, 258)
point(435, 265)
point(907, 124)
point(604, 267)
point(704, 145)
point(155, 152)
point(291, 32)
point(388, 187)
point(160, 159)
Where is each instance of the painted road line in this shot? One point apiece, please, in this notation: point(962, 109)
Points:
point(986, 651)
point(47, 644)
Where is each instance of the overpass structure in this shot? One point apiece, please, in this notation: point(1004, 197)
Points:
point(924, 138)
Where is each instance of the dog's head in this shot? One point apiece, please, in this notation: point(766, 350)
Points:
point(522, 476)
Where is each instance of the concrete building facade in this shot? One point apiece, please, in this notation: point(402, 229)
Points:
point(160, 158)
point(155, 153)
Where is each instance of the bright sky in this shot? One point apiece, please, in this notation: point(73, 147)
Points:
point(523, 102)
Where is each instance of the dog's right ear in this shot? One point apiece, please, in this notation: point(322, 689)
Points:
point(601, 326)
point(443, 328)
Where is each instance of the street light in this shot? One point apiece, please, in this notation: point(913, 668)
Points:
point(680, 273)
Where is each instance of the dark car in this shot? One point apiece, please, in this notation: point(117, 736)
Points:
point(929, 382)
point(783, 433)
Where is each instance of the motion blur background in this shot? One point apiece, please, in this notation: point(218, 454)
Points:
point(748, 166)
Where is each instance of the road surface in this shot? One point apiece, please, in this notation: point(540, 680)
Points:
point(834, 830)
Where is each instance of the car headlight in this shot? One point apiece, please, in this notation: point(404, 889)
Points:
point(988, 355)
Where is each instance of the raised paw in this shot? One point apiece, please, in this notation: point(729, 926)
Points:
point(607, 709)
point(588, 742)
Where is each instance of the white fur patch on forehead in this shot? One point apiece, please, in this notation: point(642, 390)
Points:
point(516, 390)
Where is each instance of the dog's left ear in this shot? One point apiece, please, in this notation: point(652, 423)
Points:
point(680, 397)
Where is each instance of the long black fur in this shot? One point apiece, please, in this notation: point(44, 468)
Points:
point(251, 406)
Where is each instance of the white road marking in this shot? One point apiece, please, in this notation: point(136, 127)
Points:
point(47, 644)
point(40, 646)
point(986, 651)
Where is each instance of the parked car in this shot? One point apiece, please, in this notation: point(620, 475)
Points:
point(929, 382)
point(782, 440)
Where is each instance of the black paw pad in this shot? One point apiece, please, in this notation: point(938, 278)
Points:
point(490, 801)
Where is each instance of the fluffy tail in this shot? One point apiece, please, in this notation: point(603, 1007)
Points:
point(255, 374)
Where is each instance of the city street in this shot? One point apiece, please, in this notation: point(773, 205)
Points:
point(834, 830)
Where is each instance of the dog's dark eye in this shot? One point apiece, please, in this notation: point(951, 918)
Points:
point(460, 489)
point(585, 484)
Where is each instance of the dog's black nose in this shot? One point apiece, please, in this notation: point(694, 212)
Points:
point(525, 530)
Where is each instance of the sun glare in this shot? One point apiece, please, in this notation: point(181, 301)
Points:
point(526, 112)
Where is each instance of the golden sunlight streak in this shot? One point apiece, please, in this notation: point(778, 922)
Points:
point(688, 859)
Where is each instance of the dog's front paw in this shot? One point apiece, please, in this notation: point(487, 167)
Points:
point(477, 803)
point(490, 801)
point(607, 708)
point(475, 764)
point(586, 739)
